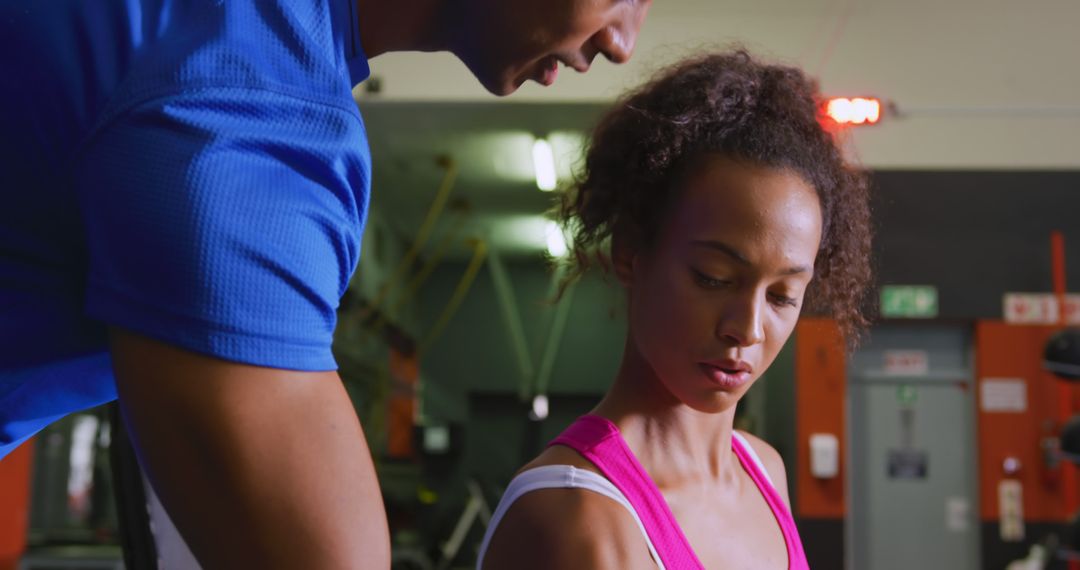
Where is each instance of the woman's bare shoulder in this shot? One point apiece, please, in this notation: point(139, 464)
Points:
point(560, 455)
point(566, 527)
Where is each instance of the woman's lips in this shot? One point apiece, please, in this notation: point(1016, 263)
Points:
point(726, 377)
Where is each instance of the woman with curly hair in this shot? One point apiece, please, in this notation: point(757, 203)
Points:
point(721, 205)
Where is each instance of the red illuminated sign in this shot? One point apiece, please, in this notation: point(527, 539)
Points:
point(853, 111)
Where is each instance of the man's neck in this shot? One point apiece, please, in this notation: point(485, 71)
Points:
point(400, 25)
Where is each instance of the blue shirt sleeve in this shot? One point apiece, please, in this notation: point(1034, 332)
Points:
point(226, 221)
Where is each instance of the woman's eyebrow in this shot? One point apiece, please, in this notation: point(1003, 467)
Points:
point(741, 258)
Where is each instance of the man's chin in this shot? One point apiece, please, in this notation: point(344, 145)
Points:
point(502, 86)
point(498, 82)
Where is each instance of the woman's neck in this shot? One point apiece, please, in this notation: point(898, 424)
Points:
point(674, 442)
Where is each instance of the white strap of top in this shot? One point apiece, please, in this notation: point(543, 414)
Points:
point(559, 477)
point(749, 449)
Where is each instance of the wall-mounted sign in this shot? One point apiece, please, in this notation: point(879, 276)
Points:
point(906, 395)
point(957, 514)
point(907, 464)
point(909, 301)
point(906, 362)
point(1039, 308)
point(1003, 395)
point(1011, 510)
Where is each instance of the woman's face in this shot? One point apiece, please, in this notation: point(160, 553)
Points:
point(716, 296)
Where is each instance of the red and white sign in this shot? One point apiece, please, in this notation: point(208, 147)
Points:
point(906, 362)
point(1072, 309)
point(1040, 308)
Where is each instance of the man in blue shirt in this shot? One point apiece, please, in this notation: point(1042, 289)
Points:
point(184, 189)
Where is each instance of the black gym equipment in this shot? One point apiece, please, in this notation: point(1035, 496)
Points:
point(1061, 357)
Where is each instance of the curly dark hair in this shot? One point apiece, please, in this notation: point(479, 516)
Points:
point(733, 105)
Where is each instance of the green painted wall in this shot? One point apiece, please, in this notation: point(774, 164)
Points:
point(475, 354)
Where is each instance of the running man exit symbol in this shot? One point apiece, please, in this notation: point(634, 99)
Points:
point(909, 301)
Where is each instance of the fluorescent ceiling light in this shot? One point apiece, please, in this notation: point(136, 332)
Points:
point(544, 165)
point(556, 241)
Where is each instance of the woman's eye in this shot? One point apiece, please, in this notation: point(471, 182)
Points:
point(783, 300)
point(710, 282)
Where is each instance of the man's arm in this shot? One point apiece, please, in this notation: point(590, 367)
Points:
point(258, 467)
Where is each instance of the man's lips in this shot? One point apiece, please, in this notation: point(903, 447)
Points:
point(547, 71)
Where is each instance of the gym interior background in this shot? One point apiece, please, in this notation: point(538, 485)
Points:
point(945, 422)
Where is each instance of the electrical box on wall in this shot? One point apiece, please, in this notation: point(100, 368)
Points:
point(824, 455)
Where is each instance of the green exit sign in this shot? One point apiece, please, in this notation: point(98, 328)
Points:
point(909, 301)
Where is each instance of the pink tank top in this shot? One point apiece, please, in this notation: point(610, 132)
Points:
point(598, 440)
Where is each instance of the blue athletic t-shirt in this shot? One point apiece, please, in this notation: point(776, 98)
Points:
point(195, 171)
